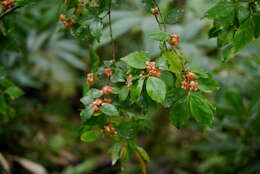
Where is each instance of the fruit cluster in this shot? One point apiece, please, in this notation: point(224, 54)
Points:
point(90, 76)
point(67, 22)
point(129, 79)
point(152, 70)
point(189, 84)
point(99, 102)
point(90, 79)
point(7, 3)
point(106, 90)
point(175, 39)
point(110, 129)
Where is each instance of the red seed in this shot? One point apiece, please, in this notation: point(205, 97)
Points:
point(155, 11)
point(193, 86)
point(90, 78)
point(184, 85)
point(190, 76)
point(108, 72)
point(107, 90)
point(62, 17)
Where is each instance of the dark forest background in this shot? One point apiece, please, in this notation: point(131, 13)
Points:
point(40, 131)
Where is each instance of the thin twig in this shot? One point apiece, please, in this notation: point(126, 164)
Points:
point(160, 22)
point(104, 15)
point(111, 31)
point(8, 11)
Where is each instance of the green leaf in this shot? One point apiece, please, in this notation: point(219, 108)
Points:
point(137, 89)
point(90, 136)
point(213, 32)
point(109, 109)
point(174, 15)
point(115, 152)
point(123, 93)
point(118, 76)
point(121, 65)
point(95, 93)
point(148, 5)
point(125, 153)
point(168, 78)
point(95, 60)
point(115, 90)
point(208, 85)
point(201, 72)
point(244, 35)
point(156, 89)
point(220, 10)
point(5, 83)
point(225, 22)
point(225, 37)
point(108, 63)
point(96, 29)
point(96, 121)
point(160, 36)
point(179, 113)
point(161, 62)
point(143, 154)
point(87, 112)
point(173, 95)
point(174, 61)
point(227, 52)
point(127, 130)
point(80, 32)
point(141, 163)
point(85, 89)
point(243, 14)
point(14, 92)
point(201, 109)
point(86, 100)
point(136, 60)
point(103, 4)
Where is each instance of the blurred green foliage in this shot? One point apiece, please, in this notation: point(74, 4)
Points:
point(44, 61)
